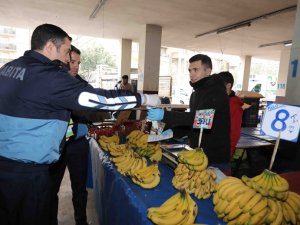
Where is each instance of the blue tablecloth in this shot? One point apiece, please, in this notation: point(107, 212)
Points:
point(121, 202)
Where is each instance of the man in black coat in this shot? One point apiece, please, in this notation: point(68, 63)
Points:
point(208, 93)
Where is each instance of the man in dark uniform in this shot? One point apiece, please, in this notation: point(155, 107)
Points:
point(36, 96)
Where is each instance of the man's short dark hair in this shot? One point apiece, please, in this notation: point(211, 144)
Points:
point(47, 32)
point(74, 49)
point(125, 77)
point(205, 60)
point(227, 77)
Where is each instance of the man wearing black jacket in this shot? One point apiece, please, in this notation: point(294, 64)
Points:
point(208, 93)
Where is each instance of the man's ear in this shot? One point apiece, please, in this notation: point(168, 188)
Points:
point(49, 47)
point(208, 71)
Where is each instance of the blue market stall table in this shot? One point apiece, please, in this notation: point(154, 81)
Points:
point(121, 202)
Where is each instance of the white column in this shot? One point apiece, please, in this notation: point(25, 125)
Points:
point(149, 59)
point(126, 45)
point(282, 73)
point(293, 80)
point(246, 72)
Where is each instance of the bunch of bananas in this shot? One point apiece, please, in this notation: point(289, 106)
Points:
point(146, 177)
point(115, 149)
point(269, 184)
point(104, 141)
point(128, 162)
point(237, 202)
point(179, 209)
point(138, 141)
point(201, 183)
point(194, 159)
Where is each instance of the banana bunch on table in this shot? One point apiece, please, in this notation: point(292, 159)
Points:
point(238, 202)
point(128, 162)
point(194, 159)
point(201, 183)
point(179, 209)
point(147, 177)
point(269, 184)
point(193, 175)
point(104, 141)
point(138, 141)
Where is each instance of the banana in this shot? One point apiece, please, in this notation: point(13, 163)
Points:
point(294, 201)
point(279, 217)
point(221, 206)
point(246, 197)
point(273, 211)
point(252, 202)
point(243, 218)
point(234, 213)
point(230, 191)
point(263, 203)
point(232, 204)
point(238, 190)
point(227, 181)
point(192, 211)
point(259, 217)
point(288, 213)
point(282, 184)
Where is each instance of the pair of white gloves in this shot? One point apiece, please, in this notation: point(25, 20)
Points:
point(153, 100)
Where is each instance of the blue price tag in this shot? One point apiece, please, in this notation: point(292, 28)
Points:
point(284, 119)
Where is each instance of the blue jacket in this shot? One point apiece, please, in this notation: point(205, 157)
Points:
point(36, 97)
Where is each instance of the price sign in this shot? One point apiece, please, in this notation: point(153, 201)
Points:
point(284, 119)
point(204, 118)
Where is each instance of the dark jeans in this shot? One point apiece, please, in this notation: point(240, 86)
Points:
point(75, 156)
point(24, 193)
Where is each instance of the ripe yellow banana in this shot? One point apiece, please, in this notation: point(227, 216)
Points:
point(288, 213)
point(246, 197)
point(273, 211)
point(261, 205)
point(259, 217)
point(252, 202)
point(279, 217)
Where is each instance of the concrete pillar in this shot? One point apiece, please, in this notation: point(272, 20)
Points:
point(283, 72)
point(126, 45)
point(246, 72)
point(149, 59)
point(293, 80)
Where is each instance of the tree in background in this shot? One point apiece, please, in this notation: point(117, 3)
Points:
point(93, 56)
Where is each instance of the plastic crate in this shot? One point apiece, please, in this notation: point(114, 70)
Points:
point(250, 116)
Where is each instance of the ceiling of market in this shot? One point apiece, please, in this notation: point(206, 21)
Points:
point(181, 21)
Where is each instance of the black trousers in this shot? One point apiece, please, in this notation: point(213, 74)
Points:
point(75, 156)
point(24, 193)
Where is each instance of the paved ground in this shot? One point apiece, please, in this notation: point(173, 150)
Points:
point(65, 208)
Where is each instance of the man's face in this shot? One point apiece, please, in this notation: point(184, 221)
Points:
point(74, 64)
point(61, 53)
point(198, 71)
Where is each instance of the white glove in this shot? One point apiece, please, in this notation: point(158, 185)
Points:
point(151, 100)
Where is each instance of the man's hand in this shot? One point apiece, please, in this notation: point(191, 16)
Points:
point(151, 100)
point(155, 114)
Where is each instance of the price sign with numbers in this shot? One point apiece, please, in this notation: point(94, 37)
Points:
point(284, 119)
point(204, 118)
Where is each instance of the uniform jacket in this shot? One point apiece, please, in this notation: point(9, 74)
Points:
point(36, 97)
point(209, 93)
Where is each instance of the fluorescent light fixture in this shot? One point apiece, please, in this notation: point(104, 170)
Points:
point(234, 27)
point(247, 23)
point(286, 43)
point(97, 9)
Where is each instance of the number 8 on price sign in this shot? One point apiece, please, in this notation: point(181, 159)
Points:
point(283, 119)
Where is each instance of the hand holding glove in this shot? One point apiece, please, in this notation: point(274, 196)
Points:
point(155, 114)
point(151, 100)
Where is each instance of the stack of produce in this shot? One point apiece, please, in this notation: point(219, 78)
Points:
point(264, 199)
point(104, 141)
point(138, 141)
point(128, 161)
point(193, 175)
point(146, 177)
point(179, 209)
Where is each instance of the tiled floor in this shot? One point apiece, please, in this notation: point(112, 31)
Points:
point(65, 208)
